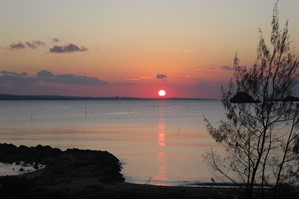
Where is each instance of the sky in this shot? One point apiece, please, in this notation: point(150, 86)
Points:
point(132, 48)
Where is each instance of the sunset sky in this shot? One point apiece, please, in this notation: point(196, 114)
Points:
point(131, 48)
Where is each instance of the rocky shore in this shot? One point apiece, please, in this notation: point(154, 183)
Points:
point(72, 163)
point(86, 174)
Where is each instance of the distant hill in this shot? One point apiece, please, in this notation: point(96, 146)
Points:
point(55, 97)
point(243, 97)
point(291, 98)
point(7, 97)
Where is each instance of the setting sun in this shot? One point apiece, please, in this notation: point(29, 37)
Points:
point(162, 93)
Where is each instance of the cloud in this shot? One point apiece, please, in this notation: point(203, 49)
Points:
point(139, 78)
point(215, 69)
point(17, 46)
point(228, 68)
point(191, 50)
point(161, 76)
point(186, 76)
point(35, 44)
point(67, 49)
point(10, 73)
point(77, 79)
point(46, 76)
point(55, 40)
point(188, 50)
point(206, 69)
point(144, 77)
point(26, 44)
point(14, 77)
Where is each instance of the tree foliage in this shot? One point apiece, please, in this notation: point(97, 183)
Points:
point(261, 137)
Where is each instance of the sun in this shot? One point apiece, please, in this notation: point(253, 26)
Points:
point(162, 93)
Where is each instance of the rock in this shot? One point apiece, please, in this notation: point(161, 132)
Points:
point(243, 97)
point(85, 163)
point(65, 164)
point(35, 166)
point(10, 153)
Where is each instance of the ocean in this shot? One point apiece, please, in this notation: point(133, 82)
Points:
point(159, 142)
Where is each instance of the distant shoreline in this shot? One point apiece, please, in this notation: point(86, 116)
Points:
point(8, 97)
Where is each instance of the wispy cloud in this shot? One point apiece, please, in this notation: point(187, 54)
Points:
point(26, 44)
point(17, 46)
point(55, 40)
point(161, 76)
point(188, 50)
point(77, 79)
point(70, 48)
point(186, 76)
point(11, 73)
point(139, 78)
point(206, 69)
point(191, 50)
point(213, 69)
point(229, 68)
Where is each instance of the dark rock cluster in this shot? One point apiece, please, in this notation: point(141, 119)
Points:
point(71, 163)
point(9, 153)
point(85, 163)
point(242, 97)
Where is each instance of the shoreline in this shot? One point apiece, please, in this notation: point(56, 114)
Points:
point(10, 97)
point(87, 174)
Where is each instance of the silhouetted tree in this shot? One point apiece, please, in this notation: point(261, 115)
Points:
point(261, 136)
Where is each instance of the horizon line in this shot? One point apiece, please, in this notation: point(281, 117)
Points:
point(67, 97)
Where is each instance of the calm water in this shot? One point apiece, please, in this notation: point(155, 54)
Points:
point(158, 141)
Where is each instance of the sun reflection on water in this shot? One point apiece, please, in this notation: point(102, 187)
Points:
point(161, 155)
point(162, 169)
point(161, 135)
